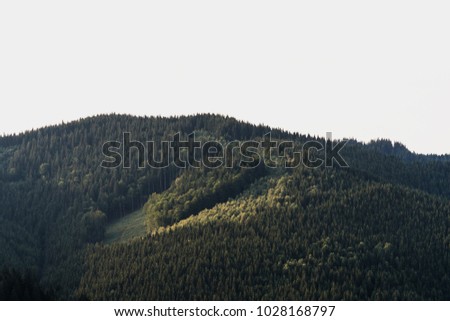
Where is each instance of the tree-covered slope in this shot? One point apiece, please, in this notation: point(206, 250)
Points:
point(222, 233)
point(311, 235)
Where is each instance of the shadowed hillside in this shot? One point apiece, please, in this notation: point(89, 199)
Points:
point(378, 229)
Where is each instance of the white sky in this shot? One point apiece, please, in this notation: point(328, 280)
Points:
point(363, 69)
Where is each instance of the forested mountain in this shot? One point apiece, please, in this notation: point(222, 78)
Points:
point(377, 229)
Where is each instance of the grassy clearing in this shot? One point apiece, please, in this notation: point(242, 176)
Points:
point(127, 228)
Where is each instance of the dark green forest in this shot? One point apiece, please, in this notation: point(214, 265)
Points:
point(376, 230)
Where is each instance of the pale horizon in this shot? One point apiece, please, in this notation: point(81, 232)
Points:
point(358, 70)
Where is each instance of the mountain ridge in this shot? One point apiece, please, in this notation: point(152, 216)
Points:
point(57, 202)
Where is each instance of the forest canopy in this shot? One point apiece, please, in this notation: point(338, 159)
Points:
point(376, 230)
